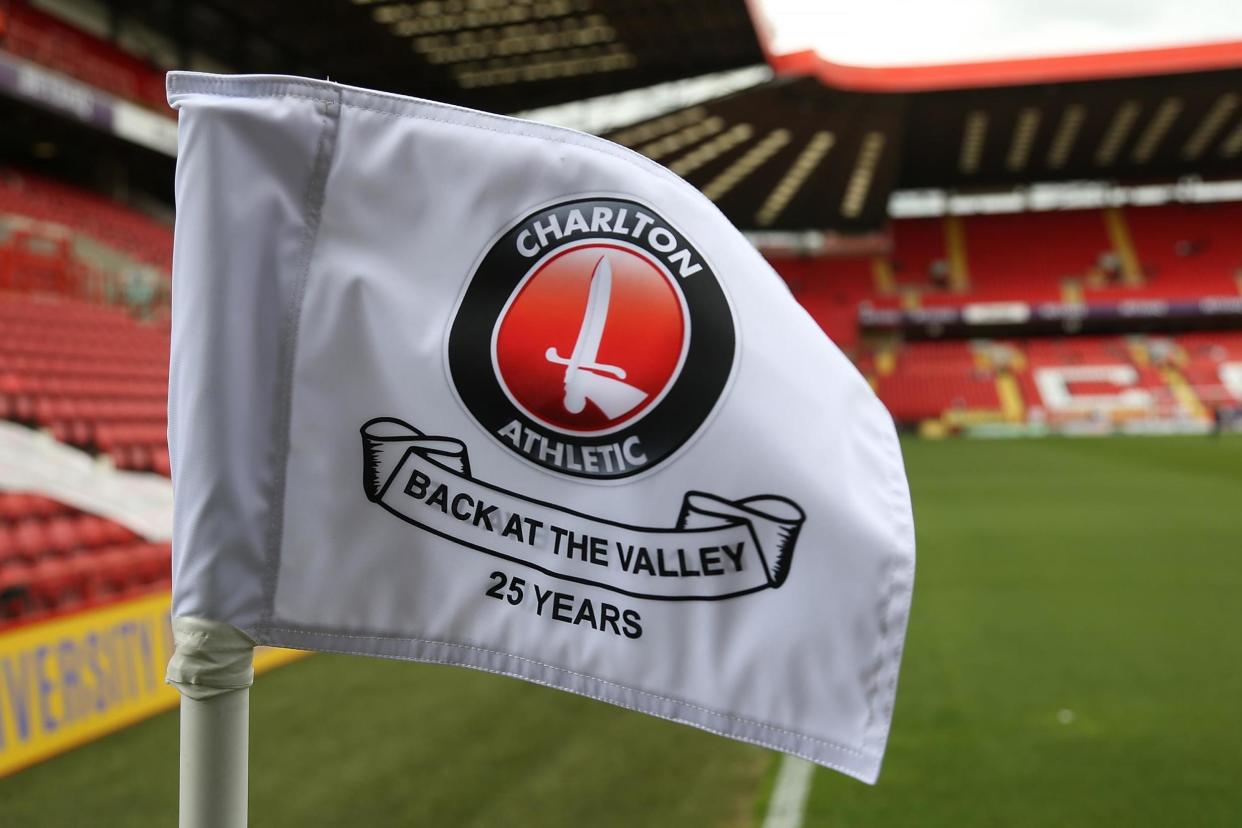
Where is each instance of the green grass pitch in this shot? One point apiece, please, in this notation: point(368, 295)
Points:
point(1074, 658)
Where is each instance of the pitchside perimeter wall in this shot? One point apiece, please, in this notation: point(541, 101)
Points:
point(71, 680)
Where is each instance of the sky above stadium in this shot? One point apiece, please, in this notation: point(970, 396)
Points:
point(918, 32)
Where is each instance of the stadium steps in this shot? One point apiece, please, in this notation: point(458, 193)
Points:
point(1071, 292)
point(955, 246)
point(883, 277)
point(1119, 236)
point(1010, 394)
point(959, 384)
point(1184, 393)
point(1139, 354)
point(885, 361)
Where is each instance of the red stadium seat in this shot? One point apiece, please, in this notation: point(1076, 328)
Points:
point(92, 531)
point(16, 601)
point(1182, 251)
point(14, 506)
point(56, 584)
point(115, 533)
point(154, 564)
point(54, 559)
point(62, 534)
point(30, 539)
point(8, 544)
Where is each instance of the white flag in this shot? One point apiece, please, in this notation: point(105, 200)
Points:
point(453, 387)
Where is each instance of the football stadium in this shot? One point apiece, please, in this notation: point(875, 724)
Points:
point(1020, 222)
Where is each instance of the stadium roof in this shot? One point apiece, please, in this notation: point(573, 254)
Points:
point(795, 154)
point(965, 96)
point(941, 45)
point(500, 55)
point(824, 144)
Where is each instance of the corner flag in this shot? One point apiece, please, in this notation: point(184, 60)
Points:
point(460, 388)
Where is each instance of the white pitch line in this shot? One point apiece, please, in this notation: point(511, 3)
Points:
point(788, 802)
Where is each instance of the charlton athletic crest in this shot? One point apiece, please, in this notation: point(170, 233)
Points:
point(593, 339)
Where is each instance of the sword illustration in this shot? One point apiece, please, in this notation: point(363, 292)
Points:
point(585, 377)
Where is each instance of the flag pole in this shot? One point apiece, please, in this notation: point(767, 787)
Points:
point(213, 667)
point(214, 760)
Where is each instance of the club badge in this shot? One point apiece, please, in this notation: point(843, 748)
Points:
point(593, 339)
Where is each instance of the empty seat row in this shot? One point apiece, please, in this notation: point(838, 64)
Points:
point(32, 590)
point(110, 401)
point(143, 457)
point(33, 197)
point(924, 379)
point(912, 397)
point(49, 409)
point(15, 506)
point(54, 558)
point(1179, 251)
point(61, 533)
point(80, 382)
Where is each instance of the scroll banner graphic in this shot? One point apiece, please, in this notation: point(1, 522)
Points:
point(717, 549)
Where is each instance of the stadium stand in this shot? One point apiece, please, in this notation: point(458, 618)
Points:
point(1170, 252)
point(58, 240)
point(1188, 250)
point(1167, 252)
point(36, 36)
point(76, 272)
point(1030, 256)
point(929, 377)
point(55, 559)
point(1181, 377)
point(94, 378)
point(1203, 360)
point(920, 264)
point(89, 374)
point(100, 228)
point(833, 301)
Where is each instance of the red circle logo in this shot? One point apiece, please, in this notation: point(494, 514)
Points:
point(592, 339)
